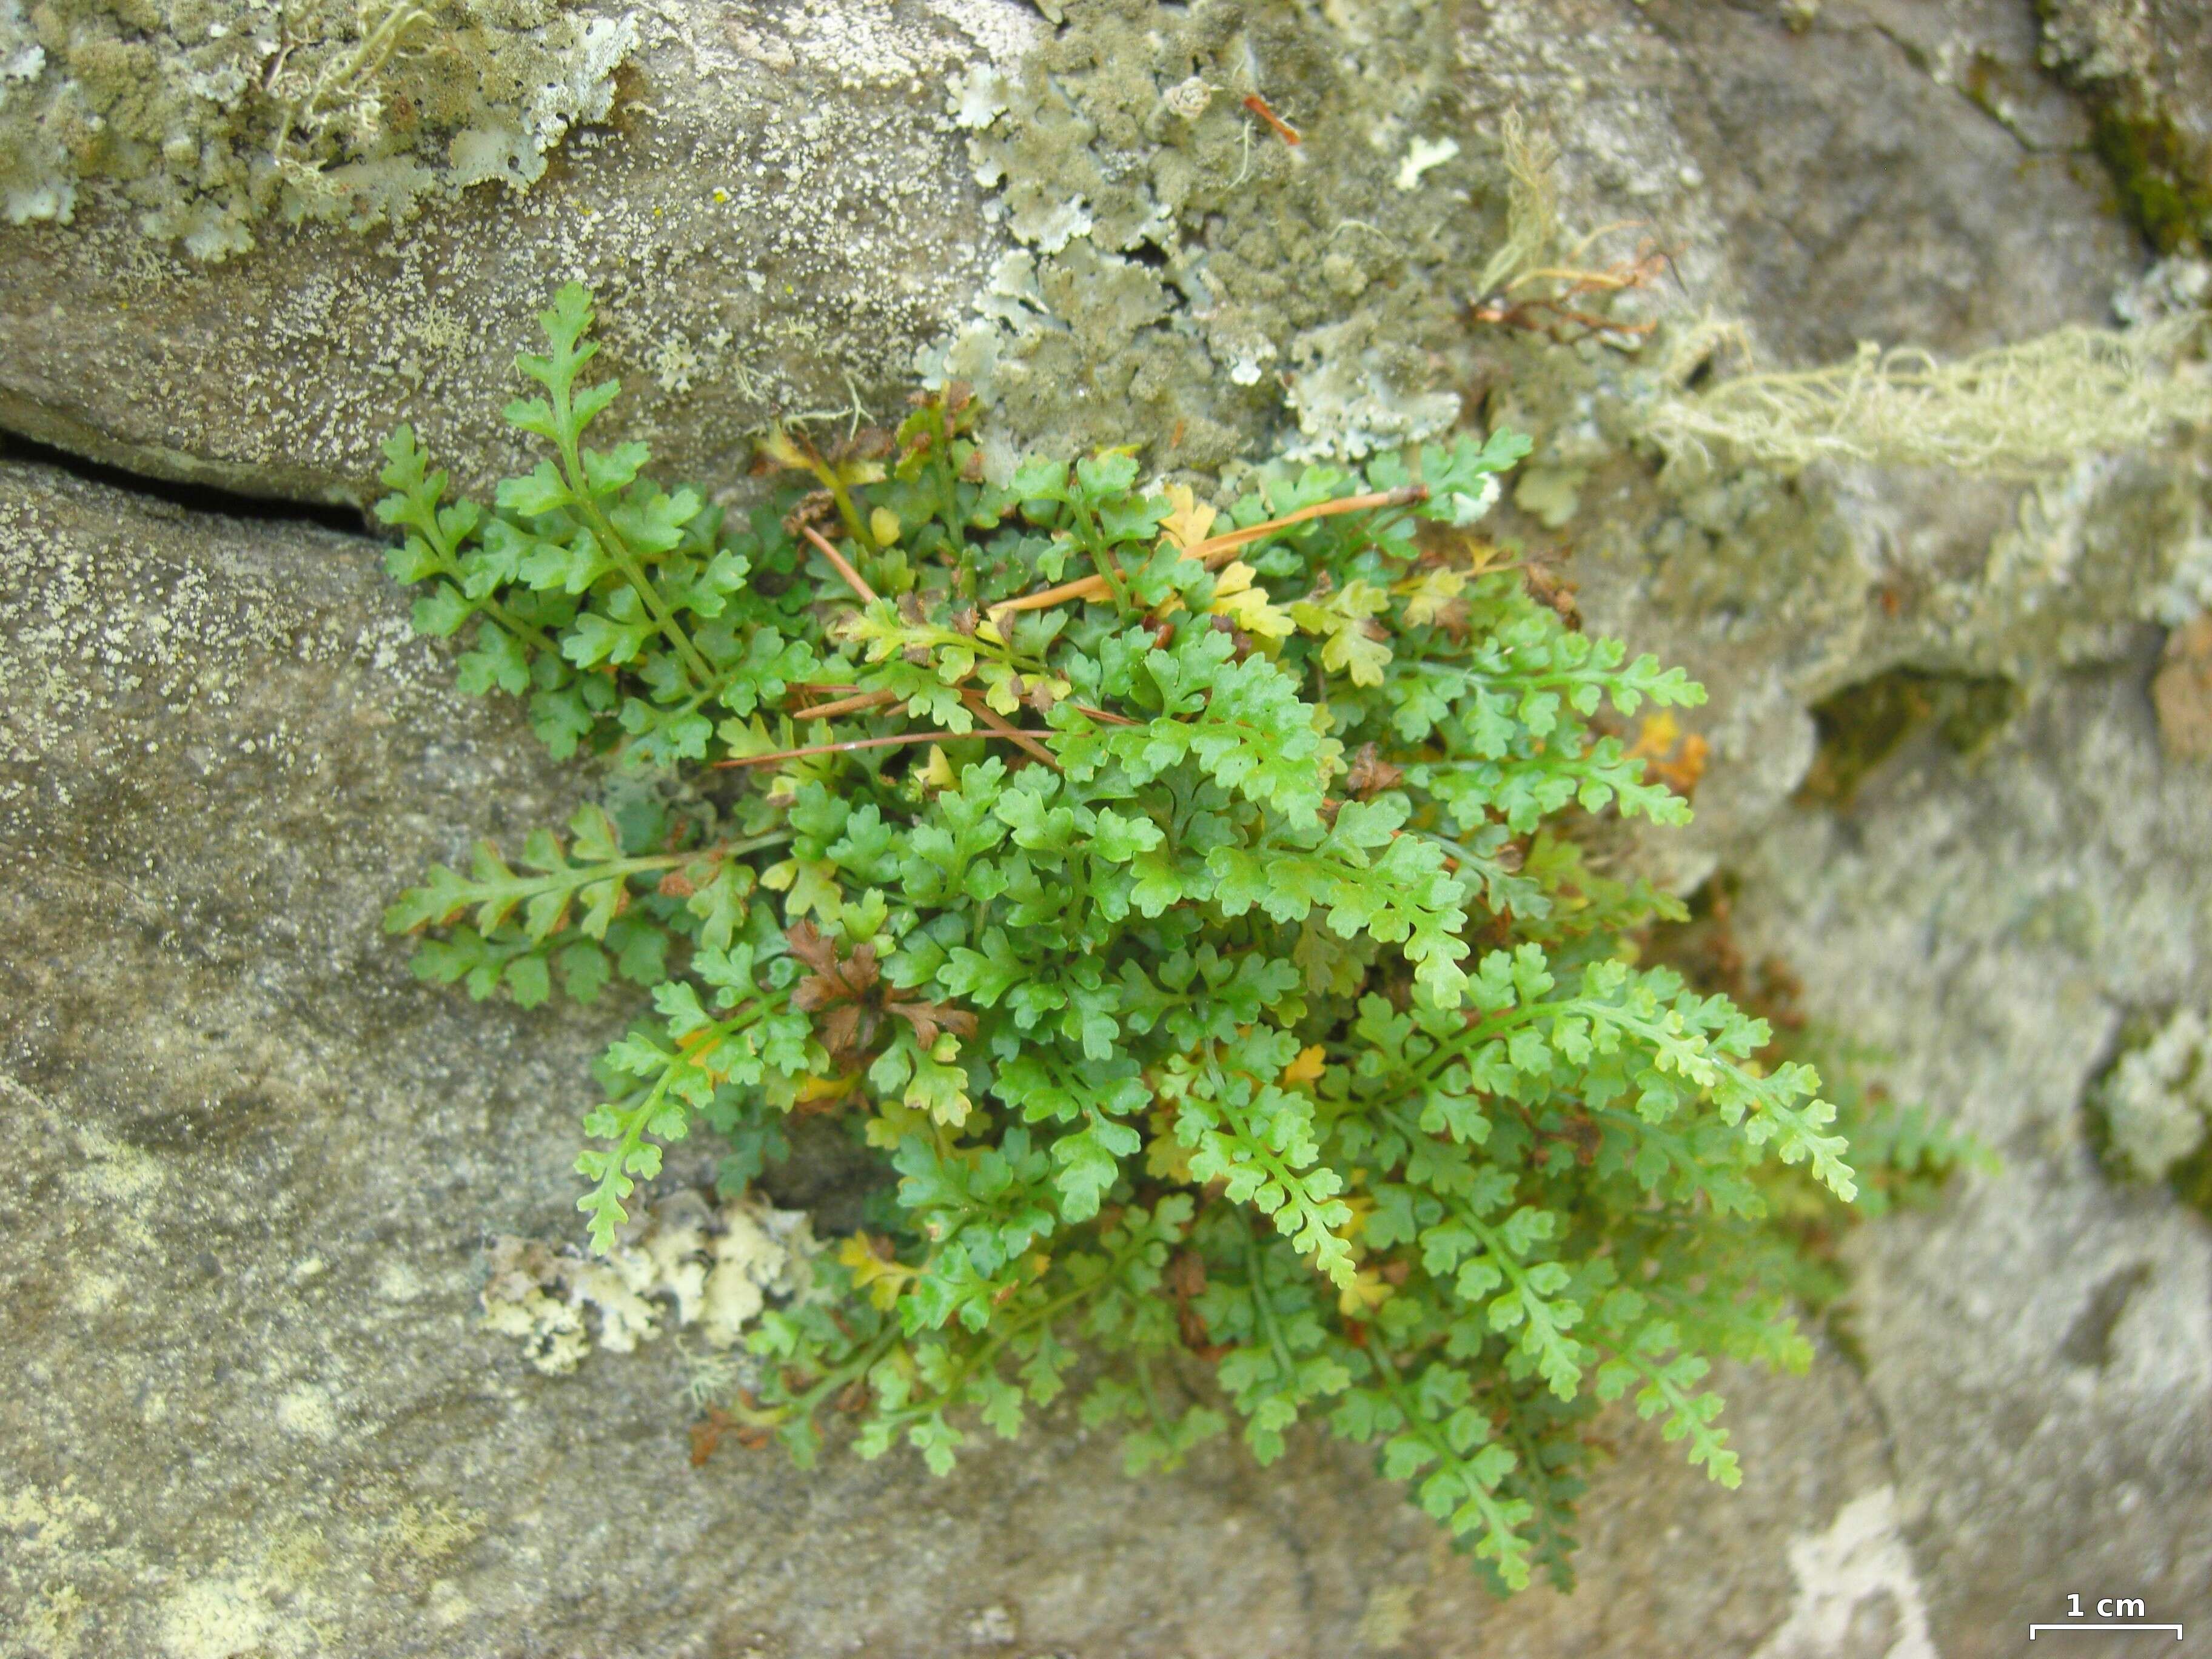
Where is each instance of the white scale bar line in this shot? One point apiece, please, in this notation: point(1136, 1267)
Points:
point(2031, 1628)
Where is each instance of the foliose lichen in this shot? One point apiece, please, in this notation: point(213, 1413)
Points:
point(2157, 1099)
point(1239, 226)
point(681, 1264)
point(208, 116)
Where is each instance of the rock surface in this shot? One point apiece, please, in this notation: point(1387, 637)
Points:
point(241, 1263)
point(259, 1415)
point(2146, 65)
point(785, 205)
point(2042, 1350)
point(774, 215)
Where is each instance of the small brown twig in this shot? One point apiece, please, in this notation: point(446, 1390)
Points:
point(781, 755)
point(860, 700)
point(1522, 314)
point(1217, 550)
point(1283, 129)
point(973, 701)
point(851, 705)
point(1548, 314)
point(838, 562)
point(1083, 587)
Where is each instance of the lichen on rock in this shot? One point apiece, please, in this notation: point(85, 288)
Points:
point(2157, 1099)
point(2025, 407)
point(209, 115)
point(1189, 272)
point(2146, 65)
point(682, 1262)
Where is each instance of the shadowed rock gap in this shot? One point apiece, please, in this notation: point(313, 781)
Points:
point(210, 499)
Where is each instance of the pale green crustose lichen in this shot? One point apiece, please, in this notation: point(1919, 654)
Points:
point(2158, 1099)
point(207, 116)
point(1184, 269)
point(684, 1264)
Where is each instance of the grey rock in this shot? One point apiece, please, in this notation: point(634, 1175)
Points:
point(259, 1163)
point(253, 1410)
point(2148, 65)
point(1839, 181)
point(1169, 274)
point(1197, 275)
point(1833, 183)
point(2042, 1347)
point(773, 214)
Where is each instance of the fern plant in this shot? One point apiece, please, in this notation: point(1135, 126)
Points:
point(1190, 907)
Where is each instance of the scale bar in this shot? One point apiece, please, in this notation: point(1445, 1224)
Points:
point(2031, 1628)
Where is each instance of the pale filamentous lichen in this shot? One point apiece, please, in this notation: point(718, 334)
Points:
point(2017, 410)
point(210, 115)
point(1186, 273)
point(683, 1261)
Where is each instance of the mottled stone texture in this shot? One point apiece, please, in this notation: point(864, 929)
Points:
point(2146, 66)
point(2043, 1348)
point(775, 215)
point(254, 1413)
point(257, 1163)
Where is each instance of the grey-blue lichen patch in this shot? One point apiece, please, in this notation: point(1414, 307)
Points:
point(2157, 1098)
point(1186, 273)
point(210, 115)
